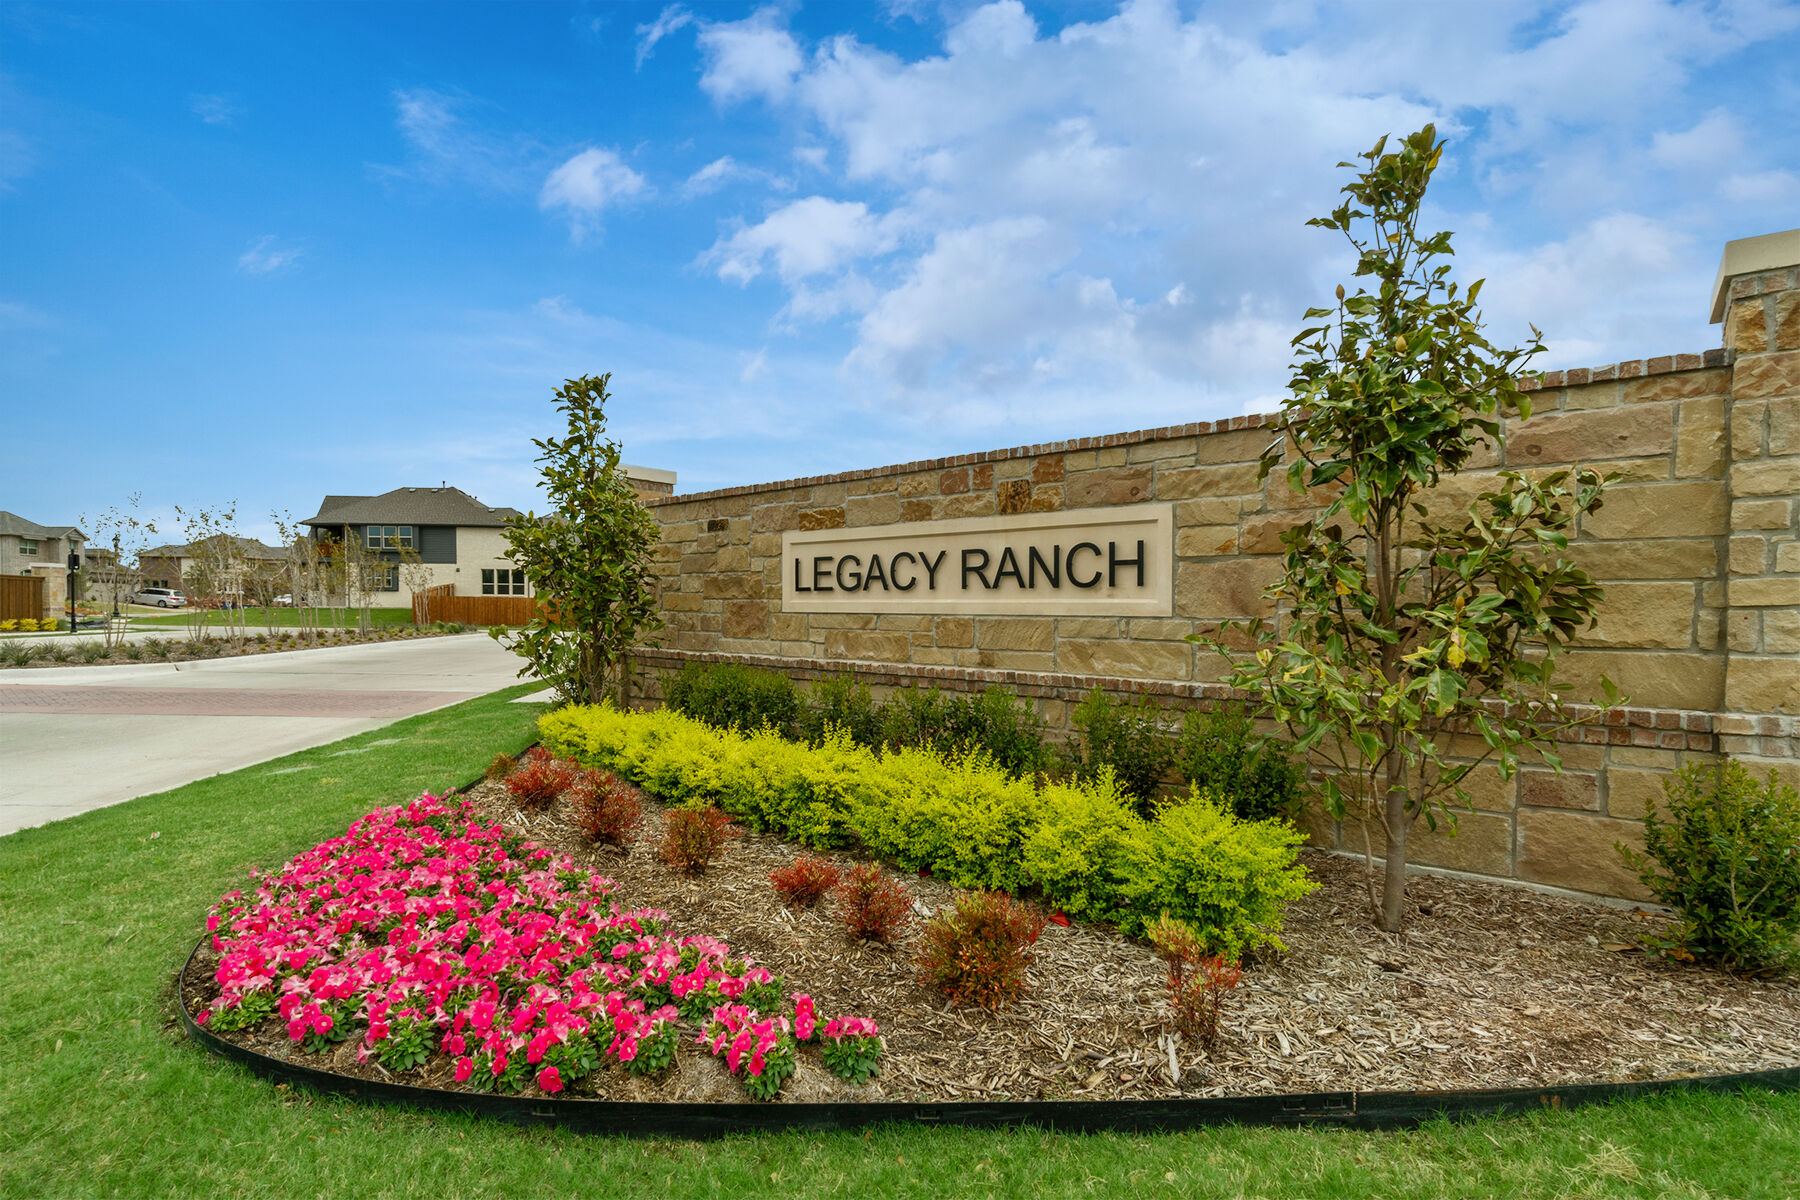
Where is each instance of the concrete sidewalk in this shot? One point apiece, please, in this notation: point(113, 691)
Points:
point(78, 738)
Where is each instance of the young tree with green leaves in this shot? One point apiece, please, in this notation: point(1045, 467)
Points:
point(588, 559)
point(1397, 624)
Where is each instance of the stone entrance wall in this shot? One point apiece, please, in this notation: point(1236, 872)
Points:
point(1697, 544)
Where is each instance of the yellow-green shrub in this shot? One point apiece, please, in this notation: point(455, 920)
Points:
point(965, 819)
point(8, 625)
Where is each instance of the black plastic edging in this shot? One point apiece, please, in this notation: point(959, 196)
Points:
point(1354, 1110)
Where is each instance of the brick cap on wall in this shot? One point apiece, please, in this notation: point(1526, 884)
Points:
point(1658, 728)
point(1635, 368)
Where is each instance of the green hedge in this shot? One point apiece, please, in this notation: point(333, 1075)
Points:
point(971, 823)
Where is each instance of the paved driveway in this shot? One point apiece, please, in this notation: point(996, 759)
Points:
point(77, 738)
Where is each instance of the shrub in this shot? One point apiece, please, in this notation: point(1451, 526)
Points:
point(840, 702)
point(1220, 752)
point(540, 778)
point(607, 809)
point(873, 907)
point(8, 625)
point(806, 881)
point(726, 695)
point(978, 953)
point(968, 821)
point(917, 716)
point(1727, 860)
point(93, 652)
point(1197, 983)
point(1129, 738)
point(693, 837)
point(157, 647)
point(1002, 726)
point(502, 766)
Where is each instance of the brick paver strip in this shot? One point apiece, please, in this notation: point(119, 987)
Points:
point(219, 702)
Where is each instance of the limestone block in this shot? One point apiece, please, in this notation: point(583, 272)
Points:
point(1015, 633)
point(1225, 587)
point(1262, 535)
point(913, 486)
point(1014, 495)
point(821, 518)
point(1087, 627)
point(873, 510)
point(875, 486)
point(1749, 419)
point(1048, 469)
point(978, 504)
point(1787, 321)
point(1745, 632)
point(1707, 628)
point(1700, 437)
point(1652, 679)
point(1748, 329)
point(1763, 685)
point(919, 510)
point(1162, 448)
point(1047, 497)
point(1112, 456)
point(1631, 793)
point(744, 585)
point(1115, 485)
point(1132, 660)
point(1762, 514)
point(982, 477)
point(1488, 792)
point(745, 619)
point(1156, 629)
point(773, 518)
point(1482, 842)
point(1225, 479)
point(1568, 789)
point(1235, 445)
point(1207, 512)
point(1784, 423)
point(1014, 660)
point(1670, 558)
point(866, 646)
point(904, 622)
point(1781, 632)
point(1605, 394)
point(1659, 615)
point(680, 601)
point(1748, 554)
point(1678, 385)
point(953, 481)
point(788, 627)
point(1659, 510)
point(733, 558)
point(841, 621)
point(1634, 432)
point(1574, 851)
point(1760, 375)
point(954, 631)
point(1770, 477)
point(1206, 541)
point(1765, 593)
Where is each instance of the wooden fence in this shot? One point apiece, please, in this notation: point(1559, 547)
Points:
point(21, 596)
point(441, 604)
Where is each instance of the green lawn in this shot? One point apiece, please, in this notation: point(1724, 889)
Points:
point(101, 1094)
point(256, 619)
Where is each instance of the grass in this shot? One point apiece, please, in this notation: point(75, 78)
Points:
point(100, 1093)
point(257, 618)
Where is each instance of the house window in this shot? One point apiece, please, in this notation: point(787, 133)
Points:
point(502, 583)
point(390, 537)
point(387, 579)
point(27, 547)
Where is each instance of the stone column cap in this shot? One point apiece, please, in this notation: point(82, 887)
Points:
point(1747, 256)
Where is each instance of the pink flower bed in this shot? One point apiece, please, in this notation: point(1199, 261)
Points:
point(425, 935)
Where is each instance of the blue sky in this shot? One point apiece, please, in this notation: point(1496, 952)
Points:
point(260, 253)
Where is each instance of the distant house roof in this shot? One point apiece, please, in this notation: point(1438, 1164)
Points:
point(17, 526)
point(411, 506)
point(248, 547)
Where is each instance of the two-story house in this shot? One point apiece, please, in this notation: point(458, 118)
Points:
point(458, 540)
point(42, 551)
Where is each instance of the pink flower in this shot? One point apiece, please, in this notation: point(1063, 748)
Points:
point(549, 1080)
point(464, 1068)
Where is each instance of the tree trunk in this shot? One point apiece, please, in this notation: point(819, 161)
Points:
point(1393, 882)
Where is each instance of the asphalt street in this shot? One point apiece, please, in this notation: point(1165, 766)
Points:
point(79, 738)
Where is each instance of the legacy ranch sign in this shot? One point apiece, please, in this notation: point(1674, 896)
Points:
point(1097, 562)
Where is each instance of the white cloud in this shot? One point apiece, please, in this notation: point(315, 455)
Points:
point(1714, 141)
point(214, 109)
point(755, 366)
point(726, 170)
point(1768, 189)
point(808, 237)
point(589, 183)
point(668, 21)
point(749, 58)
point(266, 255)
point(443, 146)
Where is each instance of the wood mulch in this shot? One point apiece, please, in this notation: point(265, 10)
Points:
point(1489, 986)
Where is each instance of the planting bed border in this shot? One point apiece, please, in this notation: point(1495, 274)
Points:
point(1352, 1110)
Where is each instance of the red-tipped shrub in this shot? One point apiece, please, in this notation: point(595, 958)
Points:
point(540, 778)
point(502, 766)
point(693, 837)
point(607, 809)
point(978, 953)
point(873, 907)
point(807, 880)
point(1198, 982)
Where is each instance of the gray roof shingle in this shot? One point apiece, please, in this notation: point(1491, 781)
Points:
point(411, 506)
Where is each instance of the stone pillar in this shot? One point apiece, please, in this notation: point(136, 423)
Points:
point(1757, 297)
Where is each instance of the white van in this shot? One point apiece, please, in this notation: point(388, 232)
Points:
point(160, 598)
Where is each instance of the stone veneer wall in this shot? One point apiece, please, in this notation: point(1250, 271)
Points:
point(1697, 545)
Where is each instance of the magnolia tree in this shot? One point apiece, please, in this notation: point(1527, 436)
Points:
point(588, 559)
point(1399, 625)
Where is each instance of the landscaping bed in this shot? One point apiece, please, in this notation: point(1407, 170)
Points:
point(92, 652)
point(1491, 986)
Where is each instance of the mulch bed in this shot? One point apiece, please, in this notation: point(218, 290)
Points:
point(1489, 986)
point(181, 649)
